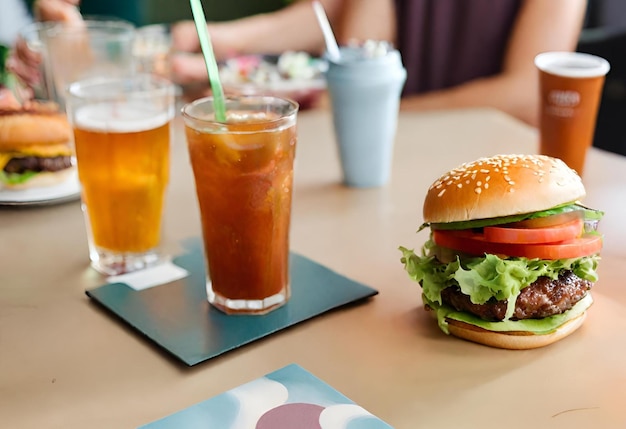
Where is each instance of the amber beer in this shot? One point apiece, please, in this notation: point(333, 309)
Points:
point(243, 172)
point(570, 90)
point(123, 174)
point(122, 152)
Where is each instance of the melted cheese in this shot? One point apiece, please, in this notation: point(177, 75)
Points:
point(47, 151)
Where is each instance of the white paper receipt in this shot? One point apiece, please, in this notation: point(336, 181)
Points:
point(153, 276)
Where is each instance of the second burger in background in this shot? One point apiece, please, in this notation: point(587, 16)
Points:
point(35, 146)
point(512, 253)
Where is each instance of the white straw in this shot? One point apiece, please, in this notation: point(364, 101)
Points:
point(329, 37)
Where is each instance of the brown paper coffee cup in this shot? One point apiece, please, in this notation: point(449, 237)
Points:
point(570, 85)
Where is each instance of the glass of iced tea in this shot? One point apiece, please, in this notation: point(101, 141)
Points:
point(243, 171)
point(122, 142)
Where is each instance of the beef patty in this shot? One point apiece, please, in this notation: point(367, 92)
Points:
point(21, 165)
point(543, 298)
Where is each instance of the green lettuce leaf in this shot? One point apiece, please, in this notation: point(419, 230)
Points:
point(483, 278)
point(543, 326)
point(589, 214)
point(15, 178)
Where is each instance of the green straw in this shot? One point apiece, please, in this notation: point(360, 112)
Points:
point(209, 59)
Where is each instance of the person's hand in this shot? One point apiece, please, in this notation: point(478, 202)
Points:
point(185, 37)
point(188, 65)
point(57, 10)
point(24, 63)
point(8, 101)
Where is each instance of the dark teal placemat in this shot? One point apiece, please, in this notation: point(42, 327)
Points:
point(178, 318)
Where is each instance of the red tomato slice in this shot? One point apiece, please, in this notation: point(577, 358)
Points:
point(552, 234)
point(475, 244)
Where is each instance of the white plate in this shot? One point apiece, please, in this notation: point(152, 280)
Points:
point(69, 190)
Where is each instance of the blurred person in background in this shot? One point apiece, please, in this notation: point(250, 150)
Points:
point(481, 52)
point(477, 53)
point(458, 54)
point(22, 61)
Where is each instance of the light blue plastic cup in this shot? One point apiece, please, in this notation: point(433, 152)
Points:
point(365, 99)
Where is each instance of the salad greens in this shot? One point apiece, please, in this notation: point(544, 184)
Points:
point(589, 214)
point(15, 178)
point(536, 326)
point(483, 278)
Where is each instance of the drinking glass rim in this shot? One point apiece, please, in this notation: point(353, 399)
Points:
point(557, 62)
point(291, 110)
point(122, 26)
point(163, 86)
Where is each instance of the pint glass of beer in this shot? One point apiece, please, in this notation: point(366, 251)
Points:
point(243, 171)
point(122, 142)
point(570, 85)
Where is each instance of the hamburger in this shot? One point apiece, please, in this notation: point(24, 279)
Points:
point(512, 253)
point(34, 145)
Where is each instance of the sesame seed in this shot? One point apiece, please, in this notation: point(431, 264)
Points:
point(441, 193)
point(478, 190)
point(479, 183)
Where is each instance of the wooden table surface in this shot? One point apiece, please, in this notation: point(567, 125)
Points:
point(65, 363)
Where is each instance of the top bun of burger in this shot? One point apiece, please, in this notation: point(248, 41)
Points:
point(36, 125)
point(502, 185)
point(512, 254)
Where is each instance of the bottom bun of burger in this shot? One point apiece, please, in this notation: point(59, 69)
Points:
point(517, 340)
point(43, 179)
point(512, 334)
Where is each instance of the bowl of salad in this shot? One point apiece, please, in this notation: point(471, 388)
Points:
point(295, 75)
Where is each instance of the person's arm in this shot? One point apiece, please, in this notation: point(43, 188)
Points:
point(361, 20)
point(541, 26)
point(23, 62)
point(57, 10)
point(291, 28)
point(294, 28)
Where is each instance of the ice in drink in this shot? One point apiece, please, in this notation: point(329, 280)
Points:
point(244, 175)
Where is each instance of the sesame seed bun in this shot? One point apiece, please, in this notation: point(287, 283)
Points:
point(23, 129)
point(469, 280)
point(501, 185)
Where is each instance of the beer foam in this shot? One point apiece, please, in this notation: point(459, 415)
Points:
point(120, 117)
